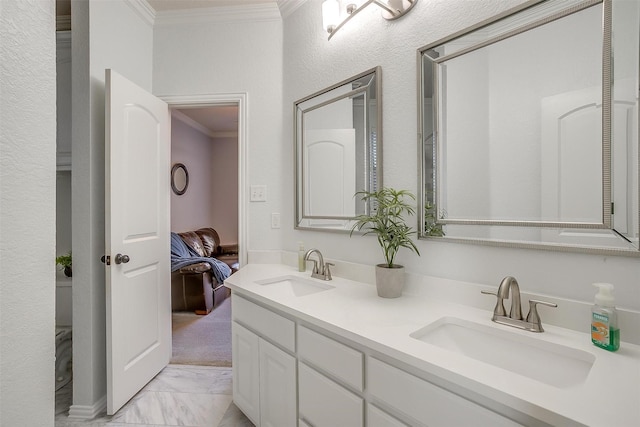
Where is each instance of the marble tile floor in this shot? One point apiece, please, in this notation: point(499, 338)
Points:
point(180, 395)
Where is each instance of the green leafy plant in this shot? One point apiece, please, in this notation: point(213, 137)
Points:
point(64, 260)
point(431, 227)
point(386, 221)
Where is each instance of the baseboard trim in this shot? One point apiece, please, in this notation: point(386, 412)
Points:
point(88, 412)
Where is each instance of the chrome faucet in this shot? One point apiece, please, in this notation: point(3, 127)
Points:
point(532, 323)
point(321, 270)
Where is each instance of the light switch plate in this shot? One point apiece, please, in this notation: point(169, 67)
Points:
point(275, 220)
point(258, 193)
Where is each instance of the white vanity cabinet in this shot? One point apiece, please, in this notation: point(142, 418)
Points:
point(379, 418)
point(325, 403)
point(425, 402)
point(264, 375)
point(246, 371)
point(326, 368)
point(287, 371)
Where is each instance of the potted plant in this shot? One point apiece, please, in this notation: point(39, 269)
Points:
point(64, 261)
point(386, 221)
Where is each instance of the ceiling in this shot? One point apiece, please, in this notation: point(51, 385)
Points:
point(163, 5)
point(217, 120)
point(63, 7)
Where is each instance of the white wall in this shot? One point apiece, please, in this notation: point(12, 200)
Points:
point(224, 204)
point(27, 212)
point(194, 149)
point(105, 34)
point(311, 63)
point(63, 215)
point(233, 53)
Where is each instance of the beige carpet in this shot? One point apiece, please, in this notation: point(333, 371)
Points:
point(203, 340)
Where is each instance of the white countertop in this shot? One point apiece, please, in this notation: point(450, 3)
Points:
point(609, 397)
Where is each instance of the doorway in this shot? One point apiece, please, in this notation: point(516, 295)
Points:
point(208, 139)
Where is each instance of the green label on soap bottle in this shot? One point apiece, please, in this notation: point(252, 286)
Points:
point(602, 334)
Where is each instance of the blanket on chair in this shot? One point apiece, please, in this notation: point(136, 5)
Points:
point(183, 255)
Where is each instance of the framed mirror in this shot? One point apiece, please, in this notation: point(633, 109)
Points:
point(179, 179)
point(338, 150)
point(528, 137)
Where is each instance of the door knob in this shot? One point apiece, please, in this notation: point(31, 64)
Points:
point(121, 259)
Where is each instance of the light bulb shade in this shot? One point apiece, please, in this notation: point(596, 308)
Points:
point(330, 14)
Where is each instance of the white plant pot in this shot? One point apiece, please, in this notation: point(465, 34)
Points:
point(389, 281)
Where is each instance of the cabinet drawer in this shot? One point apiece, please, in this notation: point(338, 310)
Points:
point(265, 323)
point(324, 403)
point(345, 363)
point(426, 402)
point(379, 418)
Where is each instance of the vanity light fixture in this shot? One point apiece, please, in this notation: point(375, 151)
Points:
point(334, 16)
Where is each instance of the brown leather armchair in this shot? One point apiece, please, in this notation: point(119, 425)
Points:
point(194, 287)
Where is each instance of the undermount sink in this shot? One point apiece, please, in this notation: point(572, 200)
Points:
point(553, 364)
point(296, 286)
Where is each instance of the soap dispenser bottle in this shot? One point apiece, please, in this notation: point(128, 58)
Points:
point(604, 319)
point(302, 264)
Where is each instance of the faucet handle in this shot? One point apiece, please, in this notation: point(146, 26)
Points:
point(499, 309)
point(533, 316)
point(315, 265)
point(327, 270)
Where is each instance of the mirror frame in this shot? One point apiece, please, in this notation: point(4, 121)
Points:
point(174, 169)
point(299, 215)
point(429, 201)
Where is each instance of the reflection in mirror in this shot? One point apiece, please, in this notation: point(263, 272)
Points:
point(337, 140)
point(179, 179)
point(524, 142)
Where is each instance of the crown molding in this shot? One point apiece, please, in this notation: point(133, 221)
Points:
point(227, 134)
point(287, 7)
point(144, 10)
point(191, 123)
point(221, 14)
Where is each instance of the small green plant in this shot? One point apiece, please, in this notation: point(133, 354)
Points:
point(64, 260)
point(431, 227)
point(386, 221)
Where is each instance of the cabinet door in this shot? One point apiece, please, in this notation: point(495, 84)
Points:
point(277, 387)
point(246, 371)
point(324, 403)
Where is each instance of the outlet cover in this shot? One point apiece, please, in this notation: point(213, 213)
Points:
point(258, 193)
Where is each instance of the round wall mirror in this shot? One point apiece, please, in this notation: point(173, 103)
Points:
point(179, 178)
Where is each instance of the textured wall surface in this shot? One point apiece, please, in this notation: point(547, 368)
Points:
point(224, 206)
point(96, 44)
point(312, 63)
point(194, 149)
point(239, 56)
point(27, 212)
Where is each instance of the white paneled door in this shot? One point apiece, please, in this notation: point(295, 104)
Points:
point(329, 170)
point(137, 153)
